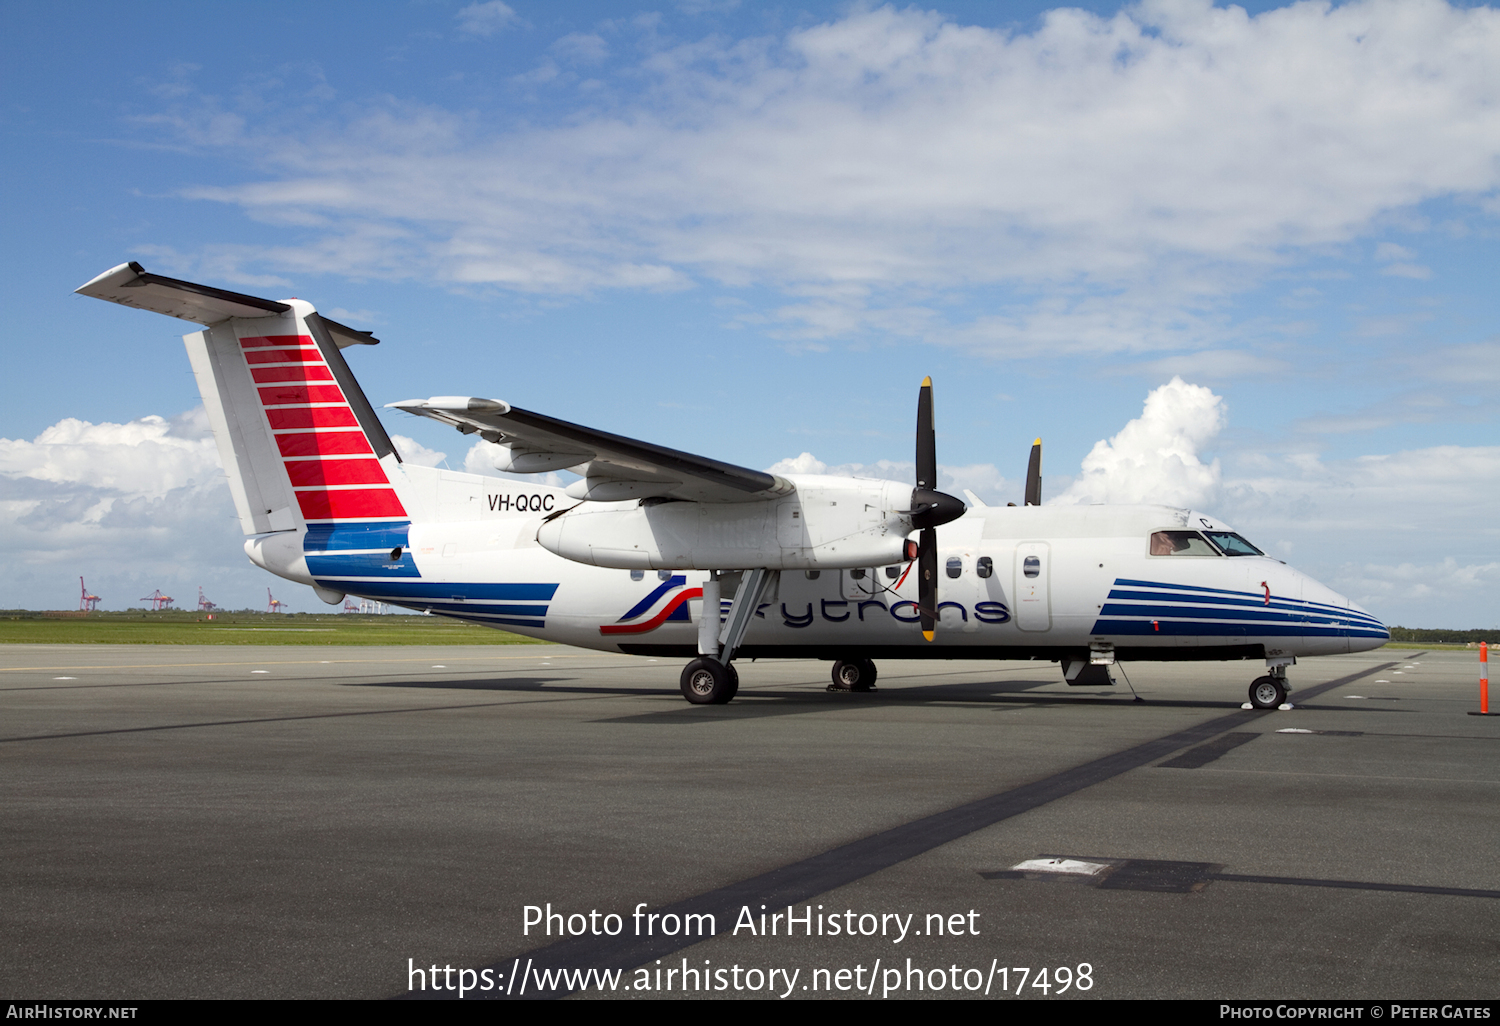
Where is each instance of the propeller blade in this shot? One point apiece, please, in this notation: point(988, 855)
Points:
point(1034, 475)
point(927, 566)
point(926, 439)
point(929, 507)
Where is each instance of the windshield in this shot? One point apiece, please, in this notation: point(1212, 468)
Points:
point(1233, 544)
point(1180, 543)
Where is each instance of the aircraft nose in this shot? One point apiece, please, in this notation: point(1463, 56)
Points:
point(1369, 626)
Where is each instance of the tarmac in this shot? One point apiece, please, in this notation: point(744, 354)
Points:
point(210, 822)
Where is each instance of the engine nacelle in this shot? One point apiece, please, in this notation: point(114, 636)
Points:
point(827, 523)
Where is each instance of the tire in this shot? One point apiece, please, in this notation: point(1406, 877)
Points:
point(853, 675)
point(1267, 693)
point(707, 681)
point(734, 682)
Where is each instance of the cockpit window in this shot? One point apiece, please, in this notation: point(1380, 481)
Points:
point(1232, 544)
point(1181, 543)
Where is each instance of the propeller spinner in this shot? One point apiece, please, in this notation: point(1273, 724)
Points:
point(930, 509)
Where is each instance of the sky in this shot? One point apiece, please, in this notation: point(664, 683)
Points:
point(1235, 258)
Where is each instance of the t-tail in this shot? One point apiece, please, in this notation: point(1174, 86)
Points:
point(320, 490)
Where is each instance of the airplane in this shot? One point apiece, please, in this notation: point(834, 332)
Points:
point(637, 555)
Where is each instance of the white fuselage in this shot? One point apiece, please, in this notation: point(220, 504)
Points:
point(1040, 581)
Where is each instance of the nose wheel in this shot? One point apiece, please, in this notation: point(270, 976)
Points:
point(1268, 693)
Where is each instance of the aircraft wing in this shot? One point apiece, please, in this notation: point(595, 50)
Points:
point(613, 467)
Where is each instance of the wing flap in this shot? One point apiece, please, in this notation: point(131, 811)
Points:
point(613, 466)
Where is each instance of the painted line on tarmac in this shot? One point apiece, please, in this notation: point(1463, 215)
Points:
point(1355, 885)
point(288, 719)
point(843, 865)
point(292, 662)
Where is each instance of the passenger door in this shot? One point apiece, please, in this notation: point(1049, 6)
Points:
point(1033, 600)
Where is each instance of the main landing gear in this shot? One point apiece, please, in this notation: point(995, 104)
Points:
point(711, 679)
point(853, 675)
point(1270, 691)
point(706, 681)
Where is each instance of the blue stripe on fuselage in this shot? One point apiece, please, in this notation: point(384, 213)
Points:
point(1193, 610)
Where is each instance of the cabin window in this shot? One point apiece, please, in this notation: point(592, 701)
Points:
point(1031, 566)
point(663, 575)
point(1181, 543)
point(857, 575)
point(955, 566)
point(637, 575)
point(893, 572)
point(1232, 544)
point(813, 575)
point(985, 567)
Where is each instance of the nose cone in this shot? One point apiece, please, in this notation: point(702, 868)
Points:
point(1362, 629)
point(1366, 631)
point(931, 508)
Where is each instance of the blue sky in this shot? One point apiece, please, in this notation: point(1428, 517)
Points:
point(749, 230)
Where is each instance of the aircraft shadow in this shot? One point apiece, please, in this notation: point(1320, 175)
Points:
point(490, 684)
point(758, 703)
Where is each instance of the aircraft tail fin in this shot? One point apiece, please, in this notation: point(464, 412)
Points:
point(297, 437)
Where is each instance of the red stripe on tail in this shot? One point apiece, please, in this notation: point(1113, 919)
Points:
point(355, 502)
point(310, 473)
point(277, 395)
point(283, 356)
point(312, 417)
point(330, 443)
point(266, 375)
point(256, 341)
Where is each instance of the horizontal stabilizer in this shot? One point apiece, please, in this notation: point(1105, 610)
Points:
point(132, 285)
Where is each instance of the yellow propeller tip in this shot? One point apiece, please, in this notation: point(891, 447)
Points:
point(928, 635)
point(927, 382)
point(1037, 442)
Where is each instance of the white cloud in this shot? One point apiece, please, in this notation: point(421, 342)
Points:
point(581, 48)
point(1212, 365)
point(130, 507)
point(480, 459)
point(485, 19)
point(145, 458)
point(1147, 164)
point(1155, 458)
point(1474, 363)
point(1416, 271)
point(1410, 586)
point(413, 451)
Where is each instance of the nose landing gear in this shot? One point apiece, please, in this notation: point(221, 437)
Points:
point(1267, 693)
point(1270, 691)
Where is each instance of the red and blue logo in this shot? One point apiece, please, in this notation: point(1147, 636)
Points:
point(675, 608)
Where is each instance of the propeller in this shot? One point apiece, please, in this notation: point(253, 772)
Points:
point(930, 509)
point(1034, 475)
